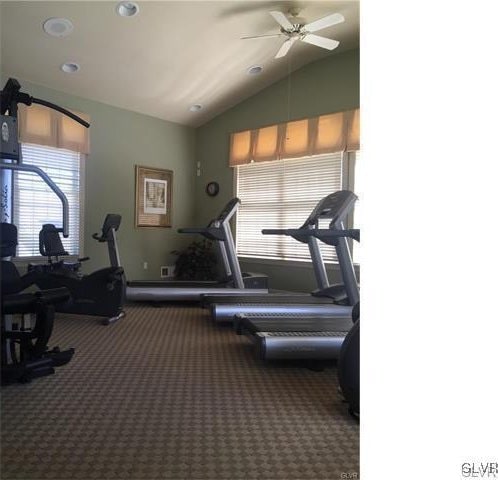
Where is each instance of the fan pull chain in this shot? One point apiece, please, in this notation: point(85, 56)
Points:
point(289, 71)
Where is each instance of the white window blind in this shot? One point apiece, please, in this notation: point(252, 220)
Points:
point(281, 194)
point(36, 204)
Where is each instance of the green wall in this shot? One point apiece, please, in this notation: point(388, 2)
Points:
point(121, 139)
point(326, 86)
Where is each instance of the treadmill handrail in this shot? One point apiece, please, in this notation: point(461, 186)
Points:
point(38, 171)
point(320, 233)
point(212, 233)
point(327, 235)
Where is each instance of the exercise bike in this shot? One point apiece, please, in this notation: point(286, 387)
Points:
point(101, 293)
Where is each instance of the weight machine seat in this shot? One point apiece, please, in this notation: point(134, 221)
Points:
point(12, 282)
point(33, 341)
point(24, 351)
point(28, 302)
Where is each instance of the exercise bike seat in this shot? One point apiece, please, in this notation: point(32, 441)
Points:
point(50, 245)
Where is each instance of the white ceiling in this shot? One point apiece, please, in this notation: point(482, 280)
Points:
point(170, 56)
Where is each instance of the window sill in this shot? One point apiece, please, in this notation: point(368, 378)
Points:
point(288, 263)
point(283, 263)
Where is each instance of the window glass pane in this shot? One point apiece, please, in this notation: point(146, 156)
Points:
point(36, 204)
point(281, 194)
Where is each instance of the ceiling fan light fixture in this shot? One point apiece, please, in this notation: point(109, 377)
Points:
point(295, 28)
point(195, 108)
point(70, 67)
point(254, 70)
point(58, 27)
point(127, 9)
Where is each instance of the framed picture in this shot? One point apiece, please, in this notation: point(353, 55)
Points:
point(153, 195)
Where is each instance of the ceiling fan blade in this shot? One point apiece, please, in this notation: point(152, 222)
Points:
point(262, 36)
point(282, 20)
point(284, 49)
point(324, 22)
point(323, 42)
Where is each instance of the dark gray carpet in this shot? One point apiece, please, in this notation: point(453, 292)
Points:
point(166, 394)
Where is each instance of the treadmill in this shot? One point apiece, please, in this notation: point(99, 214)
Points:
point(291, 336)
point(294, 337)
point(236, 282)
point(328, 300)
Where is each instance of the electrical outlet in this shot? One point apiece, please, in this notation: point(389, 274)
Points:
point(167, 271)
point(146, 265)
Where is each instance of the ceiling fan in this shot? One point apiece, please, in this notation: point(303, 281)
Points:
point(295, 28)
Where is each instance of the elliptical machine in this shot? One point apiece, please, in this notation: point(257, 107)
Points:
point(101, 293)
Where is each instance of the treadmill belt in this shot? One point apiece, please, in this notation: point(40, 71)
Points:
point(267, 299)
point(174, 283)
point(293, 324)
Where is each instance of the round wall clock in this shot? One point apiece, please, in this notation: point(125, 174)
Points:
point(212, 189)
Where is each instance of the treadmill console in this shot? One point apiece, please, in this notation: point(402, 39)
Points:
point(334, 206)
point(229, 210)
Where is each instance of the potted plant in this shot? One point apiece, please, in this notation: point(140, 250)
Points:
point(197, 262)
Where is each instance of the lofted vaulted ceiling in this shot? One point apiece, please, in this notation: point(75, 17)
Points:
point(168, 57)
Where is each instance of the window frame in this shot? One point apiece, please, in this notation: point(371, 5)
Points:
point(348, 173)
point(25, 260)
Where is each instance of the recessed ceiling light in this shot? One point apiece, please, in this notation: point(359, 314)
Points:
point(195, 108)
point(255, 70)
point(70, 67)
point(127, 9)
point(58, 27)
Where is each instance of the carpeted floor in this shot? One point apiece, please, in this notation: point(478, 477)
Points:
point(166, 394)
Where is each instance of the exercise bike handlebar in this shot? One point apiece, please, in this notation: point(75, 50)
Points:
point(99, 238)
